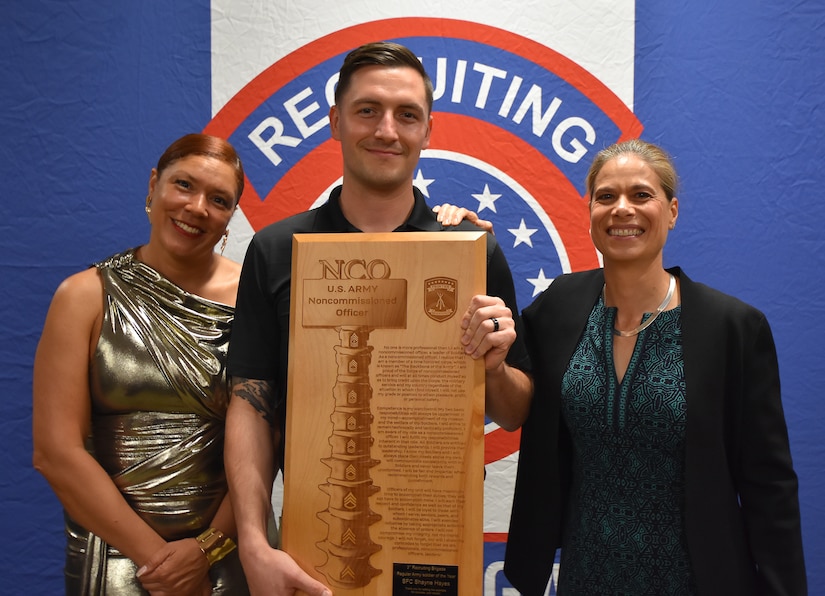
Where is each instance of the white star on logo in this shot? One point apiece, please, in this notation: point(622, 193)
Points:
point(522, 234)
point(422, 183)
point(486, 200)
point(540, 283)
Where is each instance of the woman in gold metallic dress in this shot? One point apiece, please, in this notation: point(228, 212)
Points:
point(130, 393)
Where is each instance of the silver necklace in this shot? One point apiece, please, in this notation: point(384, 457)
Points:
point(659, 310)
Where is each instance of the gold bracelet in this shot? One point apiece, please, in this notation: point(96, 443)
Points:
point(215, 545)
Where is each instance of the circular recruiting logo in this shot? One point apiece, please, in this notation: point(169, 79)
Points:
point(515, 126)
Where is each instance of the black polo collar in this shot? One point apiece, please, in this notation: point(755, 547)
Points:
point(421, 219)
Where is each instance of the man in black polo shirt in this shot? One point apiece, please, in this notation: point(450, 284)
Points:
point(382, 118)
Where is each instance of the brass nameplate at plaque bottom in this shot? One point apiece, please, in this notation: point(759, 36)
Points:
point(384, 470)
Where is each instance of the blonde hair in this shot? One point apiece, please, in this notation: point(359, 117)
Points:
point(656, 157)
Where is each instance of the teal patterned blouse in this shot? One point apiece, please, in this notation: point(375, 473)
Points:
point(625, 531)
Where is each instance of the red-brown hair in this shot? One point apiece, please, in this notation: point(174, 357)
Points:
point(201, 144)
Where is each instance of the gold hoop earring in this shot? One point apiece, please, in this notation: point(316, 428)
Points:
point(148, 207)
point(225, 238)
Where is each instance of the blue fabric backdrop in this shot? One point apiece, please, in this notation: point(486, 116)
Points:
point(90, 96)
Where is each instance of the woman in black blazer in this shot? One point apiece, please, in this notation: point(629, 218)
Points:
point(654, 450)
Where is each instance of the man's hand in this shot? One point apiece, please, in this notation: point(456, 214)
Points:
point(272, 572)
point(450, 215)
point(489, 330)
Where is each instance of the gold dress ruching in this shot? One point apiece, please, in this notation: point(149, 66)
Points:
point(159, 396)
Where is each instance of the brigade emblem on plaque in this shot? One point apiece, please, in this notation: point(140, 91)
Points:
point(440, 298)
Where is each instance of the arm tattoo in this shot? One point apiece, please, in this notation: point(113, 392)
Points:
point(258, 393)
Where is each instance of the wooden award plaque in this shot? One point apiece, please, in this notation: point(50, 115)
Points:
point(384, 470)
